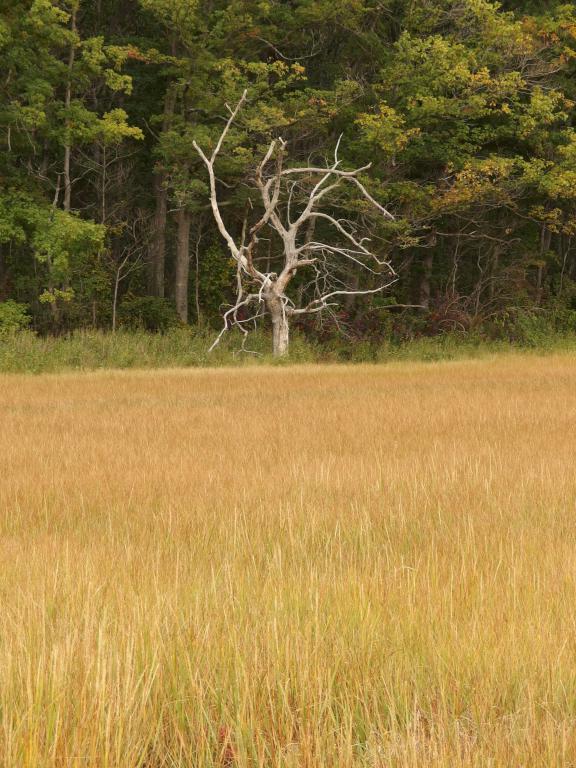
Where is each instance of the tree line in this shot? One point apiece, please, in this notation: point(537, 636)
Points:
point(454, 120)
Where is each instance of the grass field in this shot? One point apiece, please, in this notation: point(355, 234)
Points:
point(298, 566)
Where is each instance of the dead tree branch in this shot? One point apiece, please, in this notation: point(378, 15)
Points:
point(281, 189)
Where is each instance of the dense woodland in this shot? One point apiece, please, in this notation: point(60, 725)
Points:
point(464, 108)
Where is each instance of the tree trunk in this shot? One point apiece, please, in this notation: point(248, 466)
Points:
point(3, 276)
point(539, 284)
point(104, 182)
point(545, 243)
point(157, 252)
point(67, 103)
point(425, 281)
point(197, 272)
point(182, 264)
point(115, 299)
point(280, 327)
point(351, 300)
point(494, 271)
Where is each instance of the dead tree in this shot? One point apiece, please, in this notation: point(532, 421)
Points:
point(282, 190)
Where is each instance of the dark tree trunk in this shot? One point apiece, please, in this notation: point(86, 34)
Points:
point(157, 251)
point(426, 281)
point(68, 102)
point(494, 271)
point(3, 276)
point(182, 266)
point(197, 271)
point(545, 243)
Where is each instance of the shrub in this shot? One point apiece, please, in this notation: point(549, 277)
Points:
point(13, 316)
point(148, 313)
point(533, 330)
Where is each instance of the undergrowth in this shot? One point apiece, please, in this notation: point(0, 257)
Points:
point(25, 352)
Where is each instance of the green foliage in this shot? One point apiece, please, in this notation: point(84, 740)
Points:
point(216, 277)
point(61, 240)
point(13, 317)
point(464, 108)
point(148, 313)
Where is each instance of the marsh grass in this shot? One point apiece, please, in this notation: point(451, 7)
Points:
point(291, 566)
point(25, 352)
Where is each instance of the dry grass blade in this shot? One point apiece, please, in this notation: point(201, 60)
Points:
point(313, 566)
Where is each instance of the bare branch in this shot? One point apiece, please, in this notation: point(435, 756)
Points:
point(278, 190)
point(209, 163)
point(322, 301)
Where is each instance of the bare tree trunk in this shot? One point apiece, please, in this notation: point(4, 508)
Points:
point(182, 264)
point(157, 252)
point(280, 327)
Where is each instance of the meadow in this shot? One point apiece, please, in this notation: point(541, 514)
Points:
point(297, 566)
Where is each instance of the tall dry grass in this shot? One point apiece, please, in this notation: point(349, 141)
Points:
point(290, 567)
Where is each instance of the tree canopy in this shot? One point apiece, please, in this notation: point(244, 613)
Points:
point(464, 108)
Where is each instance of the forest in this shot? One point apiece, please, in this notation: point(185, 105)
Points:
point(152, 149)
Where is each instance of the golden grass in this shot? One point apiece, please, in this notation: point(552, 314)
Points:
point(312, 566)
